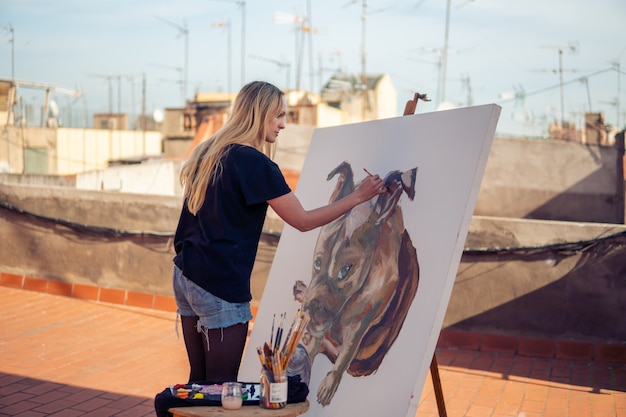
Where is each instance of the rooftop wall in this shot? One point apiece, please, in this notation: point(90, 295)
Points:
point(553, 180)
point(531, 278)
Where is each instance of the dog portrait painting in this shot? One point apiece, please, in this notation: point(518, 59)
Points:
point(365, 274)
point(375, 283)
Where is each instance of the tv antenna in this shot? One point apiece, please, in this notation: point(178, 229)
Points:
point(364, 12)
point(572, 47)
point(227, 26)
point(11, 31)
point(180, 82)
point(302, 30)
point(109, 79)
point(616, 66)
point(279, 63)
point(242, 4)
point(183, 32)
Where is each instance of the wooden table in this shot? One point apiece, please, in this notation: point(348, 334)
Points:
point(290, 410)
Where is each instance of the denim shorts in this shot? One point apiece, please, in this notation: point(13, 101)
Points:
point(214, 313)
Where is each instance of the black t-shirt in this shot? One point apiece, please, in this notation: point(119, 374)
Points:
point(217, 247)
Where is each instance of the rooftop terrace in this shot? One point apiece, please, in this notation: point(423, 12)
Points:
point(63, 356)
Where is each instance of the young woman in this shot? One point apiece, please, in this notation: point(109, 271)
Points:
point(229, 181)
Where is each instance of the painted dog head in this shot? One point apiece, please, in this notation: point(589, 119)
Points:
point(364, 278)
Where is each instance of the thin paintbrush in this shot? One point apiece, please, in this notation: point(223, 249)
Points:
point(292, 343)
point(279, 332)
point(282, 351)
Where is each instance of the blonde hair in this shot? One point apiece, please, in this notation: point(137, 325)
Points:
point(257, 102)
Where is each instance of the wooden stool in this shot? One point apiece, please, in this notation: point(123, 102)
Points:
point(290, 410)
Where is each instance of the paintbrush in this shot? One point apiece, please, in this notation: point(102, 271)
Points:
point(282, 351)
point(292, 343)
point(263, 360)
point(267, 351)
point(279, 332)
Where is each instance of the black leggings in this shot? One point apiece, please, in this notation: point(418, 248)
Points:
point(214, 354)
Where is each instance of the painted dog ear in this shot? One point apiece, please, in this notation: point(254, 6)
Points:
point(299, 290)
point(408, 182)
point(345, 183)
point(396, 182)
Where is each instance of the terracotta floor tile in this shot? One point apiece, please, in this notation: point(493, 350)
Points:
point(479, 411)
point(536, 393)
point(554, 402)
point(604, 414)
point(556, 412)
point(534, 406)
point(71, 357)
point(530, 414)
point(507, 409)
point(485, 401)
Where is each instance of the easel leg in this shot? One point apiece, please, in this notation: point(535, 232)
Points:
point(409, 109)
point(434, 372)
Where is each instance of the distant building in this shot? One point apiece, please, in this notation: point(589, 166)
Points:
point(342, 101)
point(110, 121)
point(376, 100)
point(184, 128)
point(7, 96)
point(14, 110)
point(594, 131)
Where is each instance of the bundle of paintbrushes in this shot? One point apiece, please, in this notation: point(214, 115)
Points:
point(275, 355)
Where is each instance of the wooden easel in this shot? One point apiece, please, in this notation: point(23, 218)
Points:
point(409, 109)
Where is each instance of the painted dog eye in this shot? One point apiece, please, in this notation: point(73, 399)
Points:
point(343, 272)
point(317, 264)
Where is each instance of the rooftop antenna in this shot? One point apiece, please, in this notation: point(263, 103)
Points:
point(311, 70)
point(109, 79)
point(363, 57)
point(9, 29)
point(183, 32)
point(444, 55)
point(303, 29)
point(467, 84)
point(279, 63)
point(179, 82)
point(227, 25)
point(364, 13)
point(242, 4)
point(334, 56)
point(436, 63)
point(300, 23)
point(585, 81)
point(572, 48)
point(616, 65)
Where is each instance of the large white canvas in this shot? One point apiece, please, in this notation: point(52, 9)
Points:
point(450, 150)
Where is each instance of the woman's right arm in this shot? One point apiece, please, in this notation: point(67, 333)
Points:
point(289, 208)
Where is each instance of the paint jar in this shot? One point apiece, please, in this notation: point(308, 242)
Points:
point(273, 390)
point(232, 398)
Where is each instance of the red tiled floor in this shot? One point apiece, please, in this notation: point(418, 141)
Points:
point(70, 357)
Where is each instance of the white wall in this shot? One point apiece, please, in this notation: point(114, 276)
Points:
point(152, 177)
point(161, 177)
point(81, 150)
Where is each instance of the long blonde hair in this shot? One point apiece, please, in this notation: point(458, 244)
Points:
point(254, 105)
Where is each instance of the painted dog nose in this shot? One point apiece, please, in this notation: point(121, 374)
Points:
point(318, 312)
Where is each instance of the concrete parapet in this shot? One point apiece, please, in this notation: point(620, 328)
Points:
point(519, 278)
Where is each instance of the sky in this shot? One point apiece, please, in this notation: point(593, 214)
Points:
point(542, 61)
